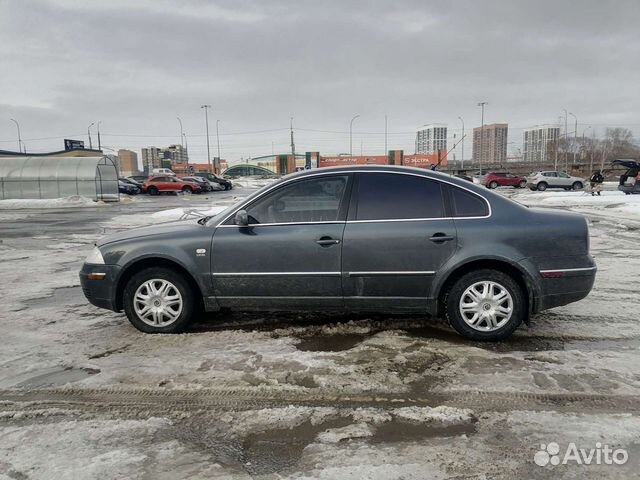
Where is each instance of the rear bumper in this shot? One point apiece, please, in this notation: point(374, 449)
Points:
point(100, 293)
point(630, 188)
point(561, 287)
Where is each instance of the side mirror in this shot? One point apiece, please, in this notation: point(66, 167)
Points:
point(242, 218)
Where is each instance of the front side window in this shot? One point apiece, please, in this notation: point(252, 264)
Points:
point(313, 200)
point(390, 196)
point(563, 175)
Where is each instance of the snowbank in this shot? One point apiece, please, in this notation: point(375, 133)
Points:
point(252, 182)
point(72, 201)
point(171, 215)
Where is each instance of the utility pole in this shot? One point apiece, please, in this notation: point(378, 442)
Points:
point(89, 134)
point(206, 121)
point(186, 148)
point(19, 139)
point(181, 131)
point(575, 138)
point(462, 164)
point(481, 105)
point(98, 128)
point(386, 152)
point(351, 135)
point(566, 139)
point(218, 140)
point(293, 145)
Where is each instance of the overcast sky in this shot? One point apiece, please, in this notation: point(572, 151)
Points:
point(135, 65)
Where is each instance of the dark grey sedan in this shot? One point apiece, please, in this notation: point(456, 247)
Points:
point(366, 239)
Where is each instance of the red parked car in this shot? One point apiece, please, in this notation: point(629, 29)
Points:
point(504, 179)
point(157, 185)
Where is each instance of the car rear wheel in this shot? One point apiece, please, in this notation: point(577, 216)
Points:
point(577, 185)
point(542, 186)
point(485, 305)
point(187, 190)
point(493, 185)
point(158, 300)
point(522, 184)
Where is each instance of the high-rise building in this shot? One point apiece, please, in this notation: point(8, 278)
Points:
point(493, 144)
point(540, 143)
point(128, 163)
point(177, 153)
point(431, 138)
point(151, 158)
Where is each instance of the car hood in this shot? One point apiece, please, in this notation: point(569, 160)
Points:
point(181, 228)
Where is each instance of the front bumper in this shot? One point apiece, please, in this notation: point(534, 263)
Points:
point(101, 293)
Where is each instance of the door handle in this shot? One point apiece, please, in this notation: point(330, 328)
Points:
point(441, 237)
point(326, 241)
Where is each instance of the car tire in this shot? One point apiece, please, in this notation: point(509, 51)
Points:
point(159, 321)
point(487, 327)
point(187, 190)
point(577, 186)
point(493, 185)
point(153, 191)
point(542, 186)
point(522, 184)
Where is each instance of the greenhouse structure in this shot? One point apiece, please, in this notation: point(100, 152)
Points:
point(30, 177)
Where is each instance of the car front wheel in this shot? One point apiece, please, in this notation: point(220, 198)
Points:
point(542, 186)
point(485, 305)
point(493, 185)
point(158, 300)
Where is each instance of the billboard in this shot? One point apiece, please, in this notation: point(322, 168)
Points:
point(70, 144)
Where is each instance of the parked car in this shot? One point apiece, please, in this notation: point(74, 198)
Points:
point(504, 179)
point(163, 171)
point(138, 178)
point(629, 180)
point(371, 238)
point(554, 179)
point(212, 177)
point(127, 188)
point(161, 184)
point(131, 182)
point(203, 183)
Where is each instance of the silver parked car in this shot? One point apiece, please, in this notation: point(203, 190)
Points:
point(554, 179)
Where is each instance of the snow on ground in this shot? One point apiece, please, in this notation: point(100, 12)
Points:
point(396, 397)
point(72, 201)
point(252, 182)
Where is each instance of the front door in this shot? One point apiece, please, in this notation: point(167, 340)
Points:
point(290, 254)
point(395, 241)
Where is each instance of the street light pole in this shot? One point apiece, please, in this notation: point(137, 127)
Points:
point(351, 135)
point(462, 165)
point(566, 139)
point(19, 139)
point(218, 140)
point(575, 138)
point(481, 105)
point(98, 128)
point(181, 131)
point(386, 152)
point(206, 120)
point(89, 134)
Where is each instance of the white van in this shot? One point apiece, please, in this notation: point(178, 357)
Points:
point(163, 171)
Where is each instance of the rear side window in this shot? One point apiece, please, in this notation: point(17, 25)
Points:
point(466, 204)
point(390, 196)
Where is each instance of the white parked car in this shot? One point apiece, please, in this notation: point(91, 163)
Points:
point(554, 179)
point(163, 171)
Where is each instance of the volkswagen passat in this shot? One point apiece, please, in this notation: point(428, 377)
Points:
point(367, 239)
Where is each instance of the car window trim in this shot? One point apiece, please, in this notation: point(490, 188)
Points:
point(242, 206)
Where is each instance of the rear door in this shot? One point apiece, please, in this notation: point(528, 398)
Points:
point(395, 240)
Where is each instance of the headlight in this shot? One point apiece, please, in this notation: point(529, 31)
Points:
point(95, 257)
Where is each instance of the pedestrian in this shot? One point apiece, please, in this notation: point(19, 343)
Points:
point(596, 182)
